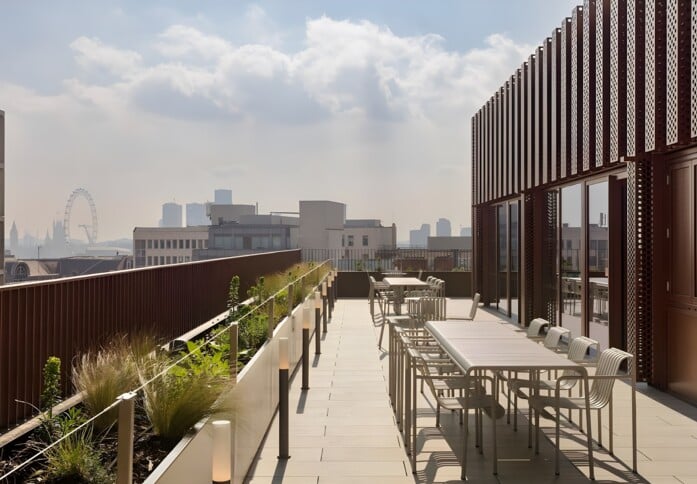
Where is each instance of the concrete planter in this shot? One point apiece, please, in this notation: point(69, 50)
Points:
point(253, 401)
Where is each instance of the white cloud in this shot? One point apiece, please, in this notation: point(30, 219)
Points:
point(92, 53)
point(358, 109)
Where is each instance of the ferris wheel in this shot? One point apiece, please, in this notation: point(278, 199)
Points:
point(90, 230)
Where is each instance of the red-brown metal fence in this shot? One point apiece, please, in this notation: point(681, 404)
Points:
point(65, 317)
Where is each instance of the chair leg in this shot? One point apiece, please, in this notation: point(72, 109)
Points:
point(382, 330)
point(437, 414)
point(611, 419)
point(600, 427)
point(556, 450)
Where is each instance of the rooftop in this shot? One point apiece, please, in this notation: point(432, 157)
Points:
point(343, 430)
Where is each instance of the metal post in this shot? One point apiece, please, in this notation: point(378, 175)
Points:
point(324, 303)
point(318, 340)
point(318, 310)
point(283, 421)
point(291, 297)
point(272, 323)
point(234, 334)
point(124, 455)
point(306, 348)
point(330, 298)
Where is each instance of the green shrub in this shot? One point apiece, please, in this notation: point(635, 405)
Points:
point(253, 331)
point(202, 362)
point(51, 393)
point(105, 375)
point(178, 399)
point(76, 459)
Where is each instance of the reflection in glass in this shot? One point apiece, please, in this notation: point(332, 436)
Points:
point(570, 262)
point(503, 259)
point(598, 238)
point(514, 259)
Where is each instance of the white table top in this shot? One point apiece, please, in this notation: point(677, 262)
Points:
point(405, 281)
point(492, 346)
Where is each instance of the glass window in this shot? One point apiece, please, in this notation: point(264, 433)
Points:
point(502, 280)
point(513, 233)
point(365, 241)
point(571, 265)
point(350, 240)
point(162, 260)
point(149, 243)
point(598, 236)
point(149, 260)
point(343, 240)
point(188, 244)
point(168, 260)
point(181, 244)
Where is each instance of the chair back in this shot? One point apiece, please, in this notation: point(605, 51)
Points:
point(475, 305)
point(536, 327)
point(578, 348)
point(554, 336)
point(608, 365)
point(429, 308)
point(421, 273)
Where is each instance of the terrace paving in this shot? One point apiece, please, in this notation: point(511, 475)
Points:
point(343, 430)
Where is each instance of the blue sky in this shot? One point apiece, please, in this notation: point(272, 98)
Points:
point(363, 102)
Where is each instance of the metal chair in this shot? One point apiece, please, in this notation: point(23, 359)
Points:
point(473, 396)
point(600, 395)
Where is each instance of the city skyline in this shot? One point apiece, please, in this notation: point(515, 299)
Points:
point(145, 103)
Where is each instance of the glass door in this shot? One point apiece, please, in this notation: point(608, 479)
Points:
point(502, 272)
point(571, 283)
point(598, 268)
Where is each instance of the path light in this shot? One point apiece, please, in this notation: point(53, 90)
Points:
point(222, 454)
point(283, 365)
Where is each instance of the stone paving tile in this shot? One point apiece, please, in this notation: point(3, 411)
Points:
point(343, 430)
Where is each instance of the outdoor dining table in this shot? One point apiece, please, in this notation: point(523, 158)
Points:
point(480, 347)
point(399, 285)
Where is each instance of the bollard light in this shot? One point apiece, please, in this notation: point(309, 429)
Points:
point(324, 289)
point(306, 347)
point(222, 454)
point(283, 363)
point(283, 421)
point(318, 300)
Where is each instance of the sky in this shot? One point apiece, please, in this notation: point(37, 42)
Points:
point(145, 102)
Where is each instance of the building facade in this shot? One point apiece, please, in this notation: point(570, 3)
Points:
point(443, 228)
point(153, 246)
point(172, 215)
point(196, 214)
point(2, 197)
point(418, 238)
point(222, 196)
point(584, 170)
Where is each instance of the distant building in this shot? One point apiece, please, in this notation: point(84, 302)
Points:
point(14, 238)
point(196, 214)
point(419, 237)
point(171, 215)
point(2, 196)
point(443, 228)
point(449, 243)
point(466, 231)
point(220, 214)
point(155, 246)
point(40, 270)
point(223, 197)
point(250, 234)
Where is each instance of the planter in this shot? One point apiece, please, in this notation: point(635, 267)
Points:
point(254, 399)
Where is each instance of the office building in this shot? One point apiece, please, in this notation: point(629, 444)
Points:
point(443, 228)
point(222, 197)
point(196, 214)
point(171, 215)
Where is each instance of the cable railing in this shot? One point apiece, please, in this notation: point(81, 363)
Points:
point(404, 259)
point(301, 287)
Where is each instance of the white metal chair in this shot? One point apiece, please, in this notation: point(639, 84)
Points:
point(537, 328)
point(473, 310)
point(473, 396)
point(600, 395)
